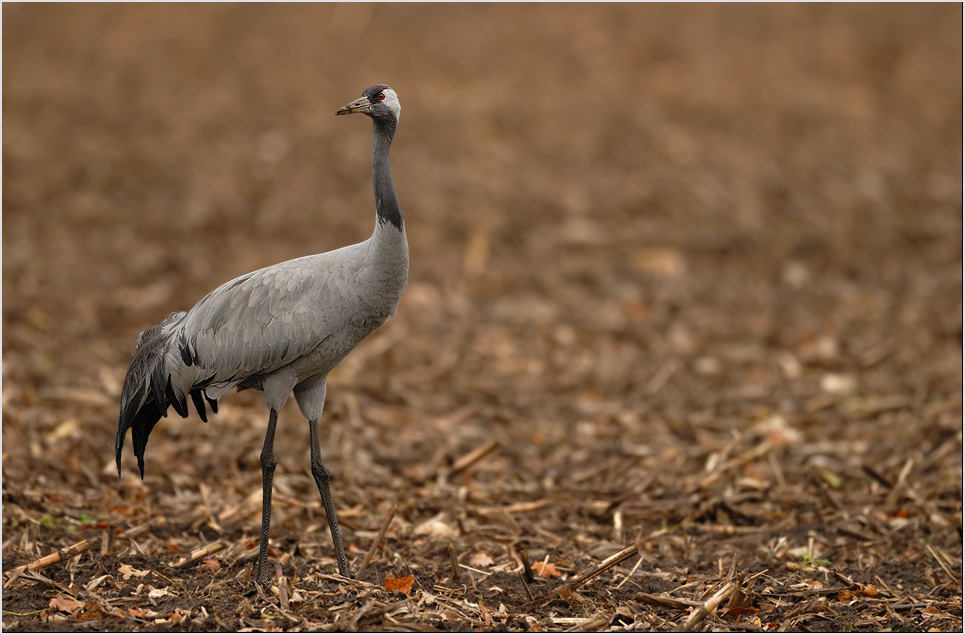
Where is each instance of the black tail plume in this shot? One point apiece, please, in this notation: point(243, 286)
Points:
point(199, 405)
point(147, 392)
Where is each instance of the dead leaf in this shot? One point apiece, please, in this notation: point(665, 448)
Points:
point(402, 585)
point(545, 569)
point(127, 571)
point(838, 384)
point(481, 559)
point(436, 527)
point(137, 612)
point(100, 525)
point(737, 611)
point(870, 590)
point(665, 262)
point(65, 604)
point(211, 563)
point(568, 594)
point(779, 430)
point(623, 615)
point(66, 429)
point(157, 593)
point(487, 619)
point(92, 611)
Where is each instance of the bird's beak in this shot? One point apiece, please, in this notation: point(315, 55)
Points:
point(359, 105)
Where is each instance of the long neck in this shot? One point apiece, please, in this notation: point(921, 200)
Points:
point(386, 202)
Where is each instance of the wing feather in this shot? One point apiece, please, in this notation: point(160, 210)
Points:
point(263, 321)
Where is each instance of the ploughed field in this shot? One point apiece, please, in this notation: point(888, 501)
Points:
point(681, 346)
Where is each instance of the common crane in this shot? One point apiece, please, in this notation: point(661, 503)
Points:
point(280, 330)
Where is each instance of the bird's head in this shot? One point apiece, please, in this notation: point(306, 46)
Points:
point(377, 102)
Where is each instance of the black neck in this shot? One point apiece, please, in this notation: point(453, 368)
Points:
point(386, 202)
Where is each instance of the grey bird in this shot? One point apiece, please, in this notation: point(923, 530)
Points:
point(280, 330)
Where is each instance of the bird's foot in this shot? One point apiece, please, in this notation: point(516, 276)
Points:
point(263, 578)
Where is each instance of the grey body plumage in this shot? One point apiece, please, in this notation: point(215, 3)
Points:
point(280, 329)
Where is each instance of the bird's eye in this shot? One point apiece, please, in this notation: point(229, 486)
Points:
point(381, 96)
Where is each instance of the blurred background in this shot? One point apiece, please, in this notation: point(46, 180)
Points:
point(639, 234)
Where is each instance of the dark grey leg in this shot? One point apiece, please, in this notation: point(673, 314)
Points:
point(268, 463)
point(320, 472)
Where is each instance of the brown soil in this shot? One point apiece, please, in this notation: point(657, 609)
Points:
point(691, 274)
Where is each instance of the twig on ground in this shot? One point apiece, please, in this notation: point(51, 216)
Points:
point(36, 576)
point(335, 577)
point(853, 532)
point(206, 501)
point(887, 587)
point(282, 588)
point(374, 608)
point(378, 540)
point(944, 565)
point(842, 577)
point(660, 377)
point(133, 532)
point(527, 566)
point(516, 508)
point(198, 554)
point(632, 571)
point(668, 602)
point(107, 542)
point(701, 612)
point(529, 593)
point(899, 487)
point(624, 554)
point(479, 571)
point(468, 460)
point(876, 475)
point(453, 562)
point(57, 556)
point(137, 548)
point(590, 626)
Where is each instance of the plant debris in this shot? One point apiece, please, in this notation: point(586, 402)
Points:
point(681, 348)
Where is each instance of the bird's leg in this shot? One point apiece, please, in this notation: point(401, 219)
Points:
point(320, 472)
point(268, 463)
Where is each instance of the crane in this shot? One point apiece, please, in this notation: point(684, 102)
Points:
point(280, 330)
